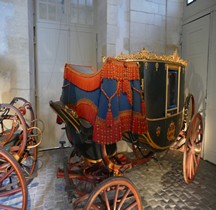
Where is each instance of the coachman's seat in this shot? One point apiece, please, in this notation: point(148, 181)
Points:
point(79, 133)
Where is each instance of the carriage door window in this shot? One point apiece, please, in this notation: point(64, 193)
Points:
point(172, 91)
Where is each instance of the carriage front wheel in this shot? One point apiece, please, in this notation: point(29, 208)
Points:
point(193, 148)
point(114, 193)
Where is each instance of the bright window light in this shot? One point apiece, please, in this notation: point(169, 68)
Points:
point(190, 1)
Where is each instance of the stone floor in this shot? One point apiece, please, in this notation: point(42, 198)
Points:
point(160, 184)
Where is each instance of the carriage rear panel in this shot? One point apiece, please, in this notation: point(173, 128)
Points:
point(164, 98)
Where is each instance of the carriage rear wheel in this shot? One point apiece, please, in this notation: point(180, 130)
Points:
point(12, 181)
point(114, 193)
point(193, 148)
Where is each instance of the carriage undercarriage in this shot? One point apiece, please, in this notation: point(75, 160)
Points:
point(99, 184)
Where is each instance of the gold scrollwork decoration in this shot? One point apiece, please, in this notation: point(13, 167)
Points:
point(156, 66)
point(158, 131)
point(171, 131)
point(146, 65)
point(145, 55)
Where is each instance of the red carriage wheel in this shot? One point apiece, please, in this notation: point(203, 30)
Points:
point(12, 128)
point(193, 148)
point(114, 193)
point(28, 163)
point(12, 181)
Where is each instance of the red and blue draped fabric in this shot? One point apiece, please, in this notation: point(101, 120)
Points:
point(81, 92)
point(121, 106)
point(110, 99)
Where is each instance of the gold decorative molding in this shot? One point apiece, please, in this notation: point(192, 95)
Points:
point(145, 55)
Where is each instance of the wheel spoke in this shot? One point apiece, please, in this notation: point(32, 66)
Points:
point(195, 160)
point(189, 145)
point(188, 167)
point(132, 206)
point(116, 196)
point(3, 177)
point(124, 198)
point(106, 199)
point(191, 167)
point(8, 207)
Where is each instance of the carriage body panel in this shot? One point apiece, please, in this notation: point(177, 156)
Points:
point(164, 98)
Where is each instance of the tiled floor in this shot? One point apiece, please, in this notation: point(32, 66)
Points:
point(160, 184)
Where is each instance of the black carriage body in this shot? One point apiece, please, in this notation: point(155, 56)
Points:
point(163, 85)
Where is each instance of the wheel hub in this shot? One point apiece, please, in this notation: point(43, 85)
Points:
point(197, 149)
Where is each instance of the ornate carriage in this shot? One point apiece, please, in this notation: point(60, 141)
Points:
point(138, 98)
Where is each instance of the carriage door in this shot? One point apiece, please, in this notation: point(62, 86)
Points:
point(65, 33)
point(195, 49)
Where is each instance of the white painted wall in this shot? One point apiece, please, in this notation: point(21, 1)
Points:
point(199, 11)
point(118, 27)
point(210, 143)
point(101, 25)
point(130, 25)
point(16, 50)
point(155, 25)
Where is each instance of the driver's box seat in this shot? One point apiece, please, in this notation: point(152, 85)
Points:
point(79, 133)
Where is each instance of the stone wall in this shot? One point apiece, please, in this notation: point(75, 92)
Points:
point(101, 25)
point(152, 24)
point(15, 64)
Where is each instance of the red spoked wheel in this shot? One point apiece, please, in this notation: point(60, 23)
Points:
point(34, 135)
point(11, 181)
point(193, 148)
point(114, 193)
point(12, 128)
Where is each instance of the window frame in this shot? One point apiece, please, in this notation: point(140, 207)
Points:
point(169, 111)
